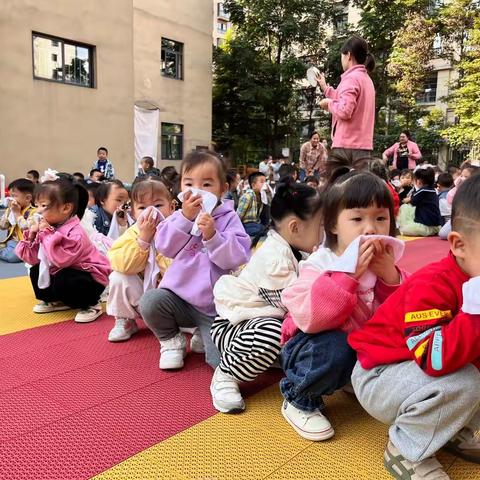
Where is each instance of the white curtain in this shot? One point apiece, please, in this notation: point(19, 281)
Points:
point(146, 134)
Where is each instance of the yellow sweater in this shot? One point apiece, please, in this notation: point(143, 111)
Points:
point(126, 256)
point(24, 222)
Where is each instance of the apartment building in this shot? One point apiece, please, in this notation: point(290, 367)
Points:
point(72, 72)
point(221, 23)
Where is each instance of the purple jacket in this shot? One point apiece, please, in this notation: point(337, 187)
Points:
point(197, 264)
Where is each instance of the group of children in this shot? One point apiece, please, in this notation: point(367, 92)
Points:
point(323, 294)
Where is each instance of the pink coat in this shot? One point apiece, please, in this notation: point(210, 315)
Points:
point(353, 110)
point(66, 246)
point(414, 153)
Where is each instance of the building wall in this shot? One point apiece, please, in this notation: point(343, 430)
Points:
point(219, 36)
point(46, 124)
point(187, 101)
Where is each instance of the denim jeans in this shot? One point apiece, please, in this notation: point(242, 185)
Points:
point(7, 254)
point(253, 229)
point(315, 365)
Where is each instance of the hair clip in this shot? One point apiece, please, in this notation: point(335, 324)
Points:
point(49, 175)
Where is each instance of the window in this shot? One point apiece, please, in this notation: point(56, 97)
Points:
point(172, 59)
point(62, 61)
point(429, 91)
point(222, 27)
point(341, 23)
point(221, 11)
point(172, 141)
point(437, 45)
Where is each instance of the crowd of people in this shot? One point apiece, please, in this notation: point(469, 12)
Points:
point(290, 269)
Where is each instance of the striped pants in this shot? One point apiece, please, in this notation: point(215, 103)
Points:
point(249, 348)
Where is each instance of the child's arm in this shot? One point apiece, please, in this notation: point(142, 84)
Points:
point(27, 249)
point(244, 205)
point(439, 342)
point(173, 234)
point(62, 250)
point(383, 290)
point(128, 254)
point(4, 223)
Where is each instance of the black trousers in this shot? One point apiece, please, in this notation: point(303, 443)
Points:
point(75, 288)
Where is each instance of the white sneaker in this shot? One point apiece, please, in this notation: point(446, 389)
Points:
point(310, 425)
point(226, 396)
point(124, 328)
point(172, 352)
point(47, 307)
point(196, 342)
point(89, 315)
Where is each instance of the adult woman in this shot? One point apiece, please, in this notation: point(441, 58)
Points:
point(313, 157)
point(352, 106)
point(405, 152)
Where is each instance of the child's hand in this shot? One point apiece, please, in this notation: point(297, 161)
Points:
point(43, 225)
point(32, 232)
point(121, 217)
point(15, 208)
point(365, 256)
point(407, 200)
point(191, 206)
point(147, 225)
point(383, 263)
point(206, 224)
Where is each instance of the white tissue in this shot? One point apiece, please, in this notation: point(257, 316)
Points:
point(471, 296)
point(209, 202)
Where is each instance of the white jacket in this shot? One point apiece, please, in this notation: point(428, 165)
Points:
point(256, 291)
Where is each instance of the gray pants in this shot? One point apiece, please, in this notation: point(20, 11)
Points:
point(424, 412)
point(165, 313)
point(348, 157)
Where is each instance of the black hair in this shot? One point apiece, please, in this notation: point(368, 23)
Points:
point(143, 186)
point(94, 170)
point(34, 174)
point(80, 175)
point(23, 185)
point(252, 178)
point(393, 173)
point(453, 169)
point(407, 133)
point(358, 47)
point(171, 178)
point(287, 170)
point(312, 178)
point(293, 198)
point(104, 191)
point(355, 189)
point(92, 187)
point(466, 206)
point(231, 177)
point(105, 149)
point(425, 175)
point(445, 180)
point(313, 133)
point(149, 161)
point(62, 191)
point(197, 157)
point(406, 172)
point(378, 168)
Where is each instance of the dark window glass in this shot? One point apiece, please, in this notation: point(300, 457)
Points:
point(429, 91)
point(172, 59)
point(172, 141)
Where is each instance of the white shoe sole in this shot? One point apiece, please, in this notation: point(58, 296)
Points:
point(314, 437)
point(222, 409)
point(124, 338)
point(89, 319)
point(172, 366)
point(50, 310)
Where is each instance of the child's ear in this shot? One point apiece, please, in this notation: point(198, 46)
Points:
point(226, 187)
point(457, 244)
point(67, 208)
point(293, 226)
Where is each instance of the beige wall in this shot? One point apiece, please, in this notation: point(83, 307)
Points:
point(188, 101)
point(45, 124)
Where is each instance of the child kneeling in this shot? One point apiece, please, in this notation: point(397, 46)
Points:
point(418, 357)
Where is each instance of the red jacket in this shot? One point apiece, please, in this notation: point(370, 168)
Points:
point(423, 321)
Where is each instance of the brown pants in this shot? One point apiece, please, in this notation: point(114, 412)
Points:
point(348, 157)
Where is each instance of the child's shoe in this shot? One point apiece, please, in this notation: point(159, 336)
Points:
point(465, 445)
point(172, 352)
point(47, 307)
point(196, 342)
point(402, 469)
point(226, 396)
point(124, 328)
point(89, 314)
point(310, 425)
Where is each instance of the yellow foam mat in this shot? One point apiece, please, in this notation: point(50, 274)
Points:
point(16, 301)
point(259, 444)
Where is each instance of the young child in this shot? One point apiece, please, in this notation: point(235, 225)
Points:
point(67, 270)
point(250, 205)
point(420, 214)
point(147, 168)
point(233, 179)
point(248, 329)
point(104, 164)
point(109, 199)
point(17, 218)
point(406, 185)
point(418, 357)
point(130, 256)
point(33, 176)
point(325, 303)
point(444, 185)
point(378, 168)
point(312, 181)
point(204, 246)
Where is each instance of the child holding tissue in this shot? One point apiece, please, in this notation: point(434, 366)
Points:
point(206, 240)
point(136, 265)
point(250, 205)
point(339, 288)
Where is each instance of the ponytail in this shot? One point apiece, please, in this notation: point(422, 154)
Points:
point(82, 199)
point(358, 47)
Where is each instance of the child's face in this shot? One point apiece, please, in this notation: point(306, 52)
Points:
point(309, 234)
point(258, 183)
point(96, 176)
point(466, 173)
point(102, 155)
point(145, 166)
point(204, 177)
point(116, 198)
point(158, 200)
point(418, 183)
point(54, 214)
point(406, 180)
point(353, 222)
point(23, 199)
point(312, 184)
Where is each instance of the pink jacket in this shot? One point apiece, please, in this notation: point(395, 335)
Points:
point(328, 301)
point(413, 153)
point(66, 246)
point(353, 110)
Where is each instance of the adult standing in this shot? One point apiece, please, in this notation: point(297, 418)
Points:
point(104, 164)
point(352, 105)
point(313, 157)
point(405, 153)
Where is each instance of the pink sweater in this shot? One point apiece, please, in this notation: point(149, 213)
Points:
point(319, 302)
point(353, 110)
point(413, 153)
point(66, 246)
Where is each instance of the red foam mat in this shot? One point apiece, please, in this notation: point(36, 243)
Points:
point(419, 253)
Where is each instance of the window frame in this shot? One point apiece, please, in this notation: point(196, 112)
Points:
point(61, 42)
point(182, 137)
point(177, 54)
point(424, 98)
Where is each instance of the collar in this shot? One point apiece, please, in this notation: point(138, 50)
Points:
point(355, 68)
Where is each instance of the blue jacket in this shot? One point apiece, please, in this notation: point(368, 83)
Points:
point(427, 210)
